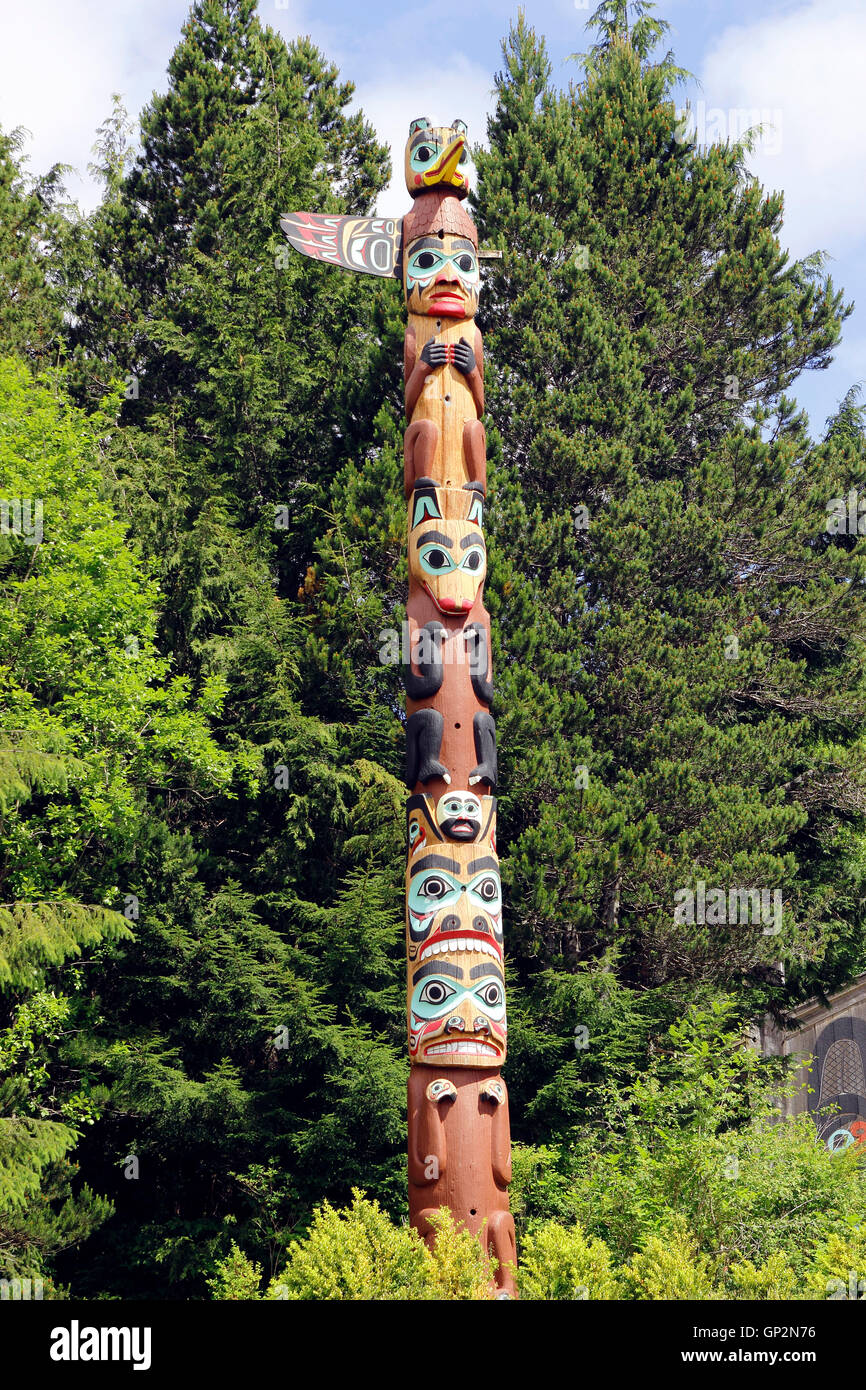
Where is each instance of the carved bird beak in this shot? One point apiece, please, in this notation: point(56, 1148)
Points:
point(445, 168)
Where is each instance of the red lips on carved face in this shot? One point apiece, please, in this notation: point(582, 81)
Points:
point(469, 941)
point(447, 299)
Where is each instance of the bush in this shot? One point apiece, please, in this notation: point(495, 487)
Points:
point(359, 1253)
point(560, 1263)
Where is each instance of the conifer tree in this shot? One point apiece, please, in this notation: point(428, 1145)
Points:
point(30, 228)
point(258, 1014)
point(680, 696)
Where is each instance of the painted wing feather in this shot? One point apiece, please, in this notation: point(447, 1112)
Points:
point(367, 244)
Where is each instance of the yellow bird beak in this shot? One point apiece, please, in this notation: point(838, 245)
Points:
point(445, 168)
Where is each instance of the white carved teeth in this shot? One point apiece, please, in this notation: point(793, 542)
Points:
point(466, 1047)
point(460, 943)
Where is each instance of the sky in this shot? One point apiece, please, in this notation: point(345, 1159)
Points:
point(795, 65)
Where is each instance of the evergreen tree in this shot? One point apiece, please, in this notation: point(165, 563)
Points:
point(680, 692)
point(258, 1015)
point(30, 228)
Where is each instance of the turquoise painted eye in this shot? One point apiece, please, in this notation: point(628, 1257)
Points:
point(423, 263)
point(473, 560)
point(436, 992)
point(430, 891)
point(491, 998)
point(466, 263)
point(490, 994)
point(434, 998)
point(435, 560)
point(487, 890)
point(425, 154)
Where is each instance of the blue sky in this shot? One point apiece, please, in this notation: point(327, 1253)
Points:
point(795, 64)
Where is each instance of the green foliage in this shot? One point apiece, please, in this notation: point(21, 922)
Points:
point(92, 721)
point(201, 941)
point(236, 1278)
point(669, 1267)
point(360, 1254)
point(30, 228)
point(773, 1280)
point(559, 1263)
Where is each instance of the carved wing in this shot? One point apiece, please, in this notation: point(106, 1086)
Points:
point(368, 244)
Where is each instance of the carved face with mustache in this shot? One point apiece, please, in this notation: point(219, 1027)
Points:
point(456, 1011)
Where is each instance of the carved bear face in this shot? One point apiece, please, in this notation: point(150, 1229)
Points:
point(453, 901)
point(456, 1011)
point(433, 154)
point(449, 560)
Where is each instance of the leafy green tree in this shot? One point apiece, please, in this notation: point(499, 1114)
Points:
point(91, 721)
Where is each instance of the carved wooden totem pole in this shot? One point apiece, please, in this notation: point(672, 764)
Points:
point(459, 1139)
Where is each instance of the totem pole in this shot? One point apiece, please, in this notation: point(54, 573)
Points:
point(459, 1139)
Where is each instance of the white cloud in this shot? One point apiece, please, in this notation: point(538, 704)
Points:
point(60, 61)
point(807, 65)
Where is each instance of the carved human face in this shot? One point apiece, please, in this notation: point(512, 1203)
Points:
point(459, 815)
point(456, 1011)
point(436, 157)
point(442, 279)
point(449, 560)
point(453, 902)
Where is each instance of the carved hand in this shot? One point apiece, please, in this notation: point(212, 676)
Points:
point(434, 354)
point(463, 357)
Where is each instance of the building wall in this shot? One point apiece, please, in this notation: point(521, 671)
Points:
point(835, 1038)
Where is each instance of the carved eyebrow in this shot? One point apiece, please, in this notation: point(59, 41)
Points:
point(435, 861)
point(488, 863)
point(438, 537)
point(474, 538)
point(434, 243)
point(444, 967)
point(424, 137)
point(426, 243)
point(486, 969)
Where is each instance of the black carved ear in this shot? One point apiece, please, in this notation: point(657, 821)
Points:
point(425, 502)
point(420, 123)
